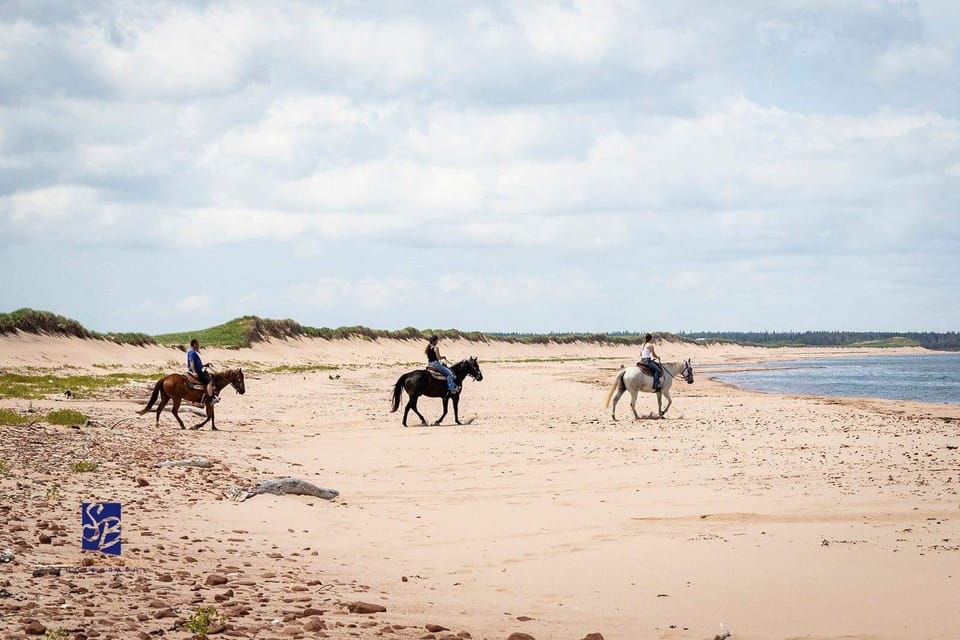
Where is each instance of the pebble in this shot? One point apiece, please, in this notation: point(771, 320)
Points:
point(34, 628)
point(365, 607)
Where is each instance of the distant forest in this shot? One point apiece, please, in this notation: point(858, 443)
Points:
point(949, 341)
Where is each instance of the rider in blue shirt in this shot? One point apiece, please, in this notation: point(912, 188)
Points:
point(195, 366)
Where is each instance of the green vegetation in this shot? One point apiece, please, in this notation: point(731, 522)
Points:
point(66, 417)
point(245, 331)
point(61, 416)
point(53, 494)
point(552, 359)
point(236, 333)
point(887, 343)
point(949, 341)
point(56, 634)
point(14, 385)
point(32, 321)
point(301, 368)
point(84, 466)
point(203, 620)
point(11, 417)
point(4, 469)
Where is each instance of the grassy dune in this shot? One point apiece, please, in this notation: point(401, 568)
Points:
point(248, 330)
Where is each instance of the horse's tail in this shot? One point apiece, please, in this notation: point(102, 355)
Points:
point(397, 390)
point(618, 383)
point(153, 397)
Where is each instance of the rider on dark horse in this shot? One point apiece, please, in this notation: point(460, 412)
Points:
point(648, 357)
point(195, 367)
point(434, 360)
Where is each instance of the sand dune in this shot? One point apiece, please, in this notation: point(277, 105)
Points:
point(782, 517)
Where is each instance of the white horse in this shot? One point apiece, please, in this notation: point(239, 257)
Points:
point(635, 379)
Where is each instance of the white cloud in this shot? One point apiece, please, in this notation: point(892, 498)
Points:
point(581, 31)
point(914, 59)
point(194, 303)
point(508, 145)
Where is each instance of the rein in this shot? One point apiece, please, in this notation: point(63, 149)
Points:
point(673, 375)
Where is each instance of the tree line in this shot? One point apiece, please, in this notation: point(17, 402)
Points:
point(948, 341)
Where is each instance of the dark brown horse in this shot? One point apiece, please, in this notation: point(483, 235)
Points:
point(175, 387)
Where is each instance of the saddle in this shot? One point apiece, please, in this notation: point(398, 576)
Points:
point(193, 382)
point(435, 373)
point(645, 369)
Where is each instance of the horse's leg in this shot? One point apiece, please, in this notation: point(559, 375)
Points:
point(174, 409)
point(164, 397)
point(633, 403)
point(163, 402)
point(413, 405)
point(209, 417)
point(616, 399)
point(456, 409)
point(444, 414)
point(213, 420)
point(660, 403)
point(666, 392)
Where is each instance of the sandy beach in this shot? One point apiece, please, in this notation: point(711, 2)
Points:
point(776, 516)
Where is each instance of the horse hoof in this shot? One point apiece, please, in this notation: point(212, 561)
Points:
point(214, 429)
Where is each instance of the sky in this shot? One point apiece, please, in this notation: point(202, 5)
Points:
point(494, 166)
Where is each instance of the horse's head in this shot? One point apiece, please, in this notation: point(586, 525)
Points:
point(473, 368)
point(687, 372)
point(235, 377)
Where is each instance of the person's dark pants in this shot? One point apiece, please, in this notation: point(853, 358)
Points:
point(657, 371)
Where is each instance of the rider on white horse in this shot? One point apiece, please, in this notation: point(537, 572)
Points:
point(648, 357)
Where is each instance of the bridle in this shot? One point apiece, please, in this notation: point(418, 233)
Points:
point(686, 373)
point(473, 369)
point(231, 377)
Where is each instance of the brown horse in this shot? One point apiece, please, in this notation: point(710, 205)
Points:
point(175, 387)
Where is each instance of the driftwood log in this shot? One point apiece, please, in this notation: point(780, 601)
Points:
point(202, 463)
point(280, 487)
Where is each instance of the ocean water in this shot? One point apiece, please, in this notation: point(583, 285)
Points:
point(933, 378)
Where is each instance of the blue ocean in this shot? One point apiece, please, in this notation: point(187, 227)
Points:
point(933, 378)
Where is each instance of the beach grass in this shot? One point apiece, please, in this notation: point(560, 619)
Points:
point(233, 334)
point(11, 417)
point(66, 417)
point(45, 322)
point(84, 466)
point(887, 343)
point(301, 368)
point(33, 387)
